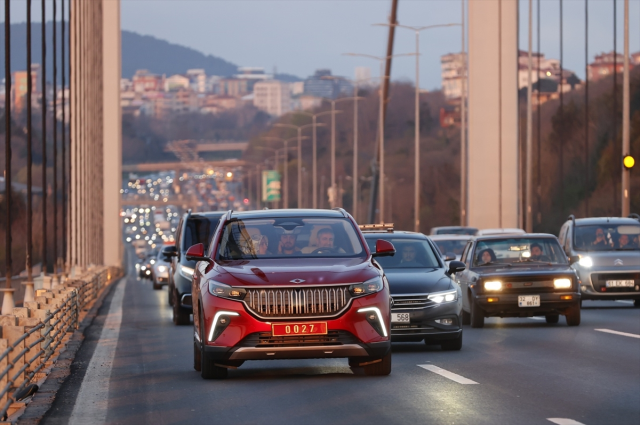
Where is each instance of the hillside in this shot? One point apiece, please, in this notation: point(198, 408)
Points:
point(138, 52)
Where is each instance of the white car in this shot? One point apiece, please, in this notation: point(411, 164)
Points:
point(500, 231)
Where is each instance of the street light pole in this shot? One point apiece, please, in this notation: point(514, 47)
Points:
point(626, 207)
point(286, 162)
point(528, 211)
point(299, 129)
point(381, 121)
point(416, 184)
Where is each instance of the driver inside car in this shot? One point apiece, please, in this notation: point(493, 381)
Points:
point(287, 244)
point(537, 253)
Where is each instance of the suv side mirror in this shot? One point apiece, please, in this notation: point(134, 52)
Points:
point(168, 252)
point(384, 249)
point(456, 267)
point(574, 259)
point(196, 253)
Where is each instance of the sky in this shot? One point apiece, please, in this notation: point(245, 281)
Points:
point(300, 36)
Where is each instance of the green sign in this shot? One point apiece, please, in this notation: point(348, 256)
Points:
point(270, 186)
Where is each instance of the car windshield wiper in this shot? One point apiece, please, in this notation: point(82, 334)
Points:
point(493, 263)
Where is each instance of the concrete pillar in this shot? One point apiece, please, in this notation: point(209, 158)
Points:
point(112, 132)
point(493, 114)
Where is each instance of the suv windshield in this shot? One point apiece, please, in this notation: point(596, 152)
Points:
point(518, 250)
point(410, 253)
point(607, 237)
point(289, 238)
point(199, 230)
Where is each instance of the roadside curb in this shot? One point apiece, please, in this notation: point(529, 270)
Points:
point(44, 398)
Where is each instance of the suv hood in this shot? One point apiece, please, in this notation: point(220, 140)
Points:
point(418, 281)
point(608, 258)
point(316, 272)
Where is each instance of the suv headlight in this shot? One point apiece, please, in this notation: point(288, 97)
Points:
point(221, 290)
point(586, 262)
point(443, 297)
point(562, 283)
point(186, 272)
point(369, 287)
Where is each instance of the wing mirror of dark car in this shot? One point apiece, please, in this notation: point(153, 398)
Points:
point(449, 256)
point(574, 259)
point(456, 267)
point(384, 249)
point(196, 253)
point(168, 252)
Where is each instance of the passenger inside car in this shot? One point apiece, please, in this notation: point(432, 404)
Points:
point(625, 243)
point(486, 256)
point(287, 244)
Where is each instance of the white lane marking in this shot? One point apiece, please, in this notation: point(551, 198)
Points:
point(618, 333)
point(624, 301)
point(450, 375)
point(564, 421)
point(92, 400)
point(536, 318)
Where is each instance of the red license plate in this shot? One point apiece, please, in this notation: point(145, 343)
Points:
point(286, 329)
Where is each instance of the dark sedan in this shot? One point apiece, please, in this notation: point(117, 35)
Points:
point(427, 302)
point(518, 276)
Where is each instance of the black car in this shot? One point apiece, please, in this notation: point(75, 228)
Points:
point(194, 228)
point(427, 302)
point(518, 276)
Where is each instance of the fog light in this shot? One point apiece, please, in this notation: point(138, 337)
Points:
point(444, 321)
point(223, 321)
point(372, 317)
point(566, 297)
point(493, 300)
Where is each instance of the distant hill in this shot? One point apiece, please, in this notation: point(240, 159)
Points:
point(138, 52)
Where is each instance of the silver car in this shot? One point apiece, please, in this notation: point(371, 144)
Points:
point(160, 271)
point(609, 256)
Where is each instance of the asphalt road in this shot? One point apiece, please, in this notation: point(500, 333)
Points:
point(135, 367)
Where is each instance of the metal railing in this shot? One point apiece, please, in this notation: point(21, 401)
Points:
point(27, 357)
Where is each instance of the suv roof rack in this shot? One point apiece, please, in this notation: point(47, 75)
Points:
point(634, 215)
point(376, 228)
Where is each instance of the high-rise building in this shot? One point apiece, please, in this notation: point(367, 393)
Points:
point(451, 73)
point(323, 84)
point(272, 96)
point(363, 76)
point(603, 65)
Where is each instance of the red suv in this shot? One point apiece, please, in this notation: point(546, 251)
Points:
point(289, 284)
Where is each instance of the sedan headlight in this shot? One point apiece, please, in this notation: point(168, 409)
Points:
point(493, 285)
point(186, 272)
point(562, 283)
point(152, 261)
point(162, 269)
point(586, 262)
point(369, 287)
point(221, 290)
point(443, 297)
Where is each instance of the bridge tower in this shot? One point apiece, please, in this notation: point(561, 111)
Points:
point(493, 178)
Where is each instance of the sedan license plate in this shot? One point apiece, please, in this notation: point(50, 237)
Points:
point(620, 283)
point(529, 301)
point(288, 329)
point(400, 318)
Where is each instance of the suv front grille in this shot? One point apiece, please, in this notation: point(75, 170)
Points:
point(264, 339)
point(297, 302)
point(410, 302)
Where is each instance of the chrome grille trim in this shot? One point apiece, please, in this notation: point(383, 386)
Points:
point(297, 302)
point(411, 302)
